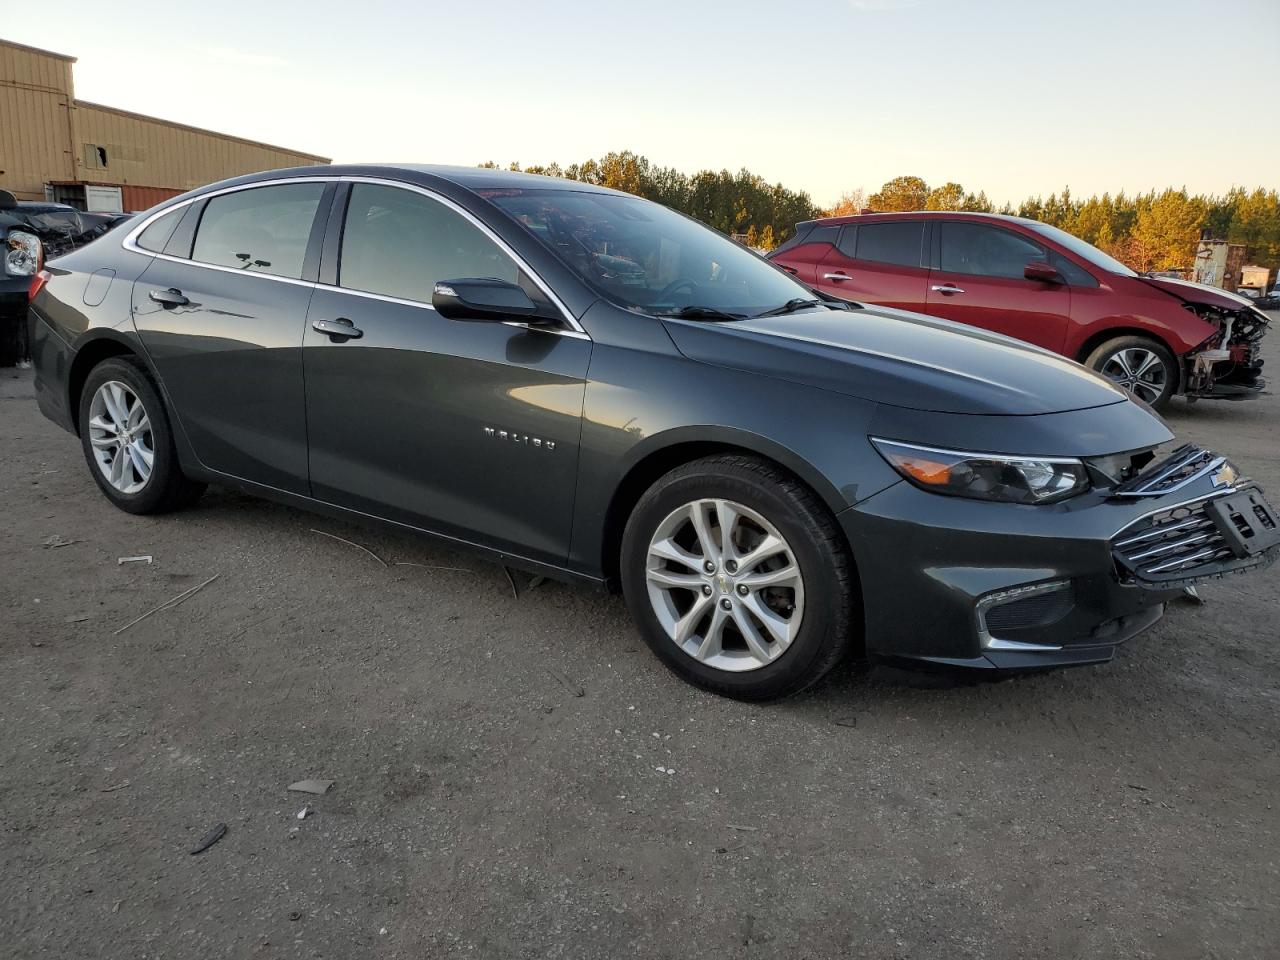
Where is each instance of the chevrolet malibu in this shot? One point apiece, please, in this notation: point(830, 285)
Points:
point(593, 387)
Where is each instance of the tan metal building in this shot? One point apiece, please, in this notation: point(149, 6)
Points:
point(55, 147)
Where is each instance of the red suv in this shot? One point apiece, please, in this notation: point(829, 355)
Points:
point(1154, 336)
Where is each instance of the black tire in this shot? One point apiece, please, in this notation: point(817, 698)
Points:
point(827, 627)
point(167, 488)
point(1105, 359)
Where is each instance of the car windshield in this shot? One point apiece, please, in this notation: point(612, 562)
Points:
point(648, 258)
point(1085, 251)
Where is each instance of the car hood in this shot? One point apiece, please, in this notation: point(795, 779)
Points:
point(901, 359)
point(1189, 292)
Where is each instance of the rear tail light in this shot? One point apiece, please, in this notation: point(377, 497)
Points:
point(37, 284)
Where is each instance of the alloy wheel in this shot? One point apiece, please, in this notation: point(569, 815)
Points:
point(1138, 370)
point(120, 434)
point(725, 585)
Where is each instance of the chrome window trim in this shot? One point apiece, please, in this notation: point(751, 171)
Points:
point(575, 331)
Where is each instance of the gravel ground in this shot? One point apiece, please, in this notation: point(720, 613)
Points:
point(521, 778)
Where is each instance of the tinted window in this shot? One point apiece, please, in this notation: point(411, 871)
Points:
point(984, 251)
point(262, 230)
point(399, 243)
point(849, 241)
point(645, 257)
point(157, 235)
point(894, 242)
point(1074, 275)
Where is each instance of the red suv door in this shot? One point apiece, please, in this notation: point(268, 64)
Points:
point(979, 280)
point(878, 262)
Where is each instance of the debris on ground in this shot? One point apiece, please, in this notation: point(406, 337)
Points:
point(318, 787)
point(350, 543)
point(846, 721)
point(576, 689)
point(145, 558)
point(304, 813)
point(511, 579)
point(58, 541)
point(180, 598)
point(209, 839)
point(738, 826)
point(115, 786)
point(429, 566)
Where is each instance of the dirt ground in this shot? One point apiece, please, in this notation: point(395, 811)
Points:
point(521, 778)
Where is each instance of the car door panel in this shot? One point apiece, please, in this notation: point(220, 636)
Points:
point(222, 324)
point(984, 286)
point(231, 362)
point(470, 429)
point(858, 268)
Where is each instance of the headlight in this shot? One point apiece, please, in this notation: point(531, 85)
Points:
point(21, 254)
point(986, 476)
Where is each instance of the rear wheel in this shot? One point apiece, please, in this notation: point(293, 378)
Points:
point(739, 578)
point(1144, 367)
point(128, 442)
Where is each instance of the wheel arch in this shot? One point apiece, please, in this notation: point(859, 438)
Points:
point(102, 345)
point(1095, 340)
point(659, 454)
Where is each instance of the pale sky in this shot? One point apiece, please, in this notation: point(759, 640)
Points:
point(1014, 98)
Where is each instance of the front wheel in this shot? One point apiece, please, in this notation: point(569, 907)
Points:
point(1142, 366)
point(128, 441)
point(739, 578)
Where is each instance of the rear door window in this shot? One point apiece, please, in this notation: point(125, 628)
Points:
point(259, 230)
point(985, 251)
point(897, 242)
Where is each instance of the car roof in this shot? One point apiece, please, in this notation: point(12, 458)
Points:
point(469, 178)
point(928, 214)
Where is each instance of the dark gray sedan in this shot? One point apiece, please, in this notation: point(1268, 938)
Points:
point(591, 386)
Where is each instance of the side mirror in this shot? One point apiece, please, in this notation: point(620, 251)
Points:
point(1043, 271)
point(484, 299)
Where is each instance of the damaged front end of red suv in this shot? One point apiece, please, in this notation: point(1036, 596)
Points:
point(1227, 365)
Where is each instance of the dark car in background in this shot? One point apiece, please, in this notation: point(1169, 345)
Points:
point(1154, 336)
point(30, 233)
point(591, 386)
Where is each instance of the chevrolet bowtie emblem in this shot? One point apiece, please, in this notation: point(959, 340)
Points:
point(1225, 476)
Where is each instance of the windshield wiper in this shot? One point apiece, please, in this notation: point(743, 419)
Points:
point(791, 306)
point(696, 312)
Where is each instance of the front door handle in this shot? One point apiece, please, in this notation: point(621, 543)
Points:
point(836, 277)
point(947, 288)
point(338, 330)
point(169, 298)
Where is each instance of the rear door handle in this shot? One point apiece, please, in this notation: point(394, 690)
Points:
point(169, 298)
point(338, 330)
point(945, 288)
point(836, 277)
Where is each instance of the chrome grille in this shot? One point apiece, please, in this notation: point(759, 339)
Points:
point(1171, 544)
point(1185, 465)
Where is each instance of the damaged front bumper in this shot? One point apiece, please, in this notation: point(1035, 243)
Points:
point(1228, 365)
point(1006, 586)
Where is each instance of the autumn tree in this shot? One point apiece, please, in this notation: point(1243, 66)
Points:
point(900, 193)
point(949, 196)
point(1167, 227)
point(851, 202)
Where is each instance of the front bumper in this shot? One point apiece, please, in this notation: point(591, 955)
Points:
point(1003, 586)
